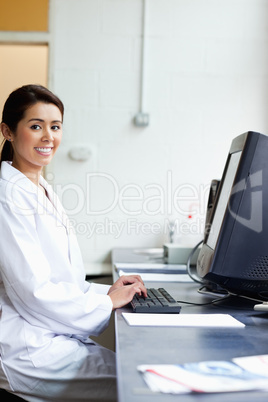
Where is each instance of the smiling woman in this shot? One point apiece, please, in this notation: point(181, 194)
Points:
point(48, 309)
point(36, 138)
point(32, 131)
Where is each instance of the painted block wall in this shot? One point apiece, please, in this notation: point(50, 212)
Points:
point(206, 81)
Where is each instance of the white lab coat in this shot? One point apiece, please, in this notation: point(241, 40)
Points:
point(48, 310)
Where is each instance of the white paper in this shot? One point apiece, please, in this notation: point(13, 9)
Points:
point(256, 364)
point(152, 266)
point(207, 376)
point(153, 277)
point(182, 320)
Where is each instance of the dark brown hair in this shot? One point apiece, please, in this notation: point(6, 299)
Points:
point(16, 105)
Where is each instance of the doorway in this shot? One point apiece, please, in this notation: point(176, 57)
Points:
point(21, 64)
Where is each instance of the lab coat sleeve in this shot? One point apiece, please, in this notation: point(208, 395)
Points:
point(98, 287)
point(60, 306)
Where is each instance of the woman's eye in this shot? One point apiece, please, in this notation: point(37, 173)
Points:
point(55, 128)
point(35, 127)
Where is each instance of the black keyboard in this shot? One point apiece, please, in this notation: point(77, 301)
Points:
point(158, 301)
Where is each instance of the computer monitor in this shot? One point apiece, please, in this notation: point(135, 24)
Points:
point(234, 254)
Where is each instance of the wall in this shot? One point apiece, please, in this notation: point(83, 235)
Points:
point(205, 83)
point(26, 15)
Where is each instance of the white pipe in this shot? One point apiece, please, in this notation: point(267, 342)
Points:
point(143, 57)
point(142, 118)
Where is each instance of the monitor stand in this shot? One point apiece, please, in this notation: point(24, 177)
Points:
point(261, 307)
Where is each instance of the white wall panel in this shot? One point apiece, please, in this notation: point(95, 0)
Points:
point(206, 81)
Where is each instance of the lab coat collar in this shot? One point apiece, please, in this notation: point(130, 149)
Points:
point(51, 203)
point(13, 175)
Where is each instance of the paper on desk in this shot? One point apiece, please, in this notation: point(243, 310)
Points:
point(208, 376)
point(150, 266)
point(181, 320)
point(158, 277)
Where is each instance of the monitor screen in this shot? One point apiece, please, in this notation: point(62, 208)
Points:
point(223, 199)
point(234, 254)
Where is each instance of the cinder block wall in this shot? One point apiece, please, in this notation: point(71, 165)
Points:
point(206, 81)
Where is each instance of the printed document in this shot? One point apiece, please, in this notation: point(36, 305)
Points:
point(239, 374)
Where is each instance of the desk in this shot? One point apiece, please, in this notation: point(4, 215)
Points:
point(160, 345)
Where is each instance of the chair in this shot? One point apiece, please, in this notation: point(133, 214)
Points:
point(7, 396)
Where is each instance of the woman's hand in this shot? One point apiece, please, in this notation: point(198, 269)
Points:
point(124, 289)
point(125, 280)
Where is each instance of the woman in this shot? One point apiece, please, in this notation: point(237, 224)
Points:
point(48, 310)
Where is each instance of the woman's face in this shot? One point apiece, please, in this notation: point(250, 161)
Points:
point(37, 137)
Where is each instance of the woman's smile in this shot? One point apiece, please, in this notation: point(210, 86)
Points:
point(44, 151)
